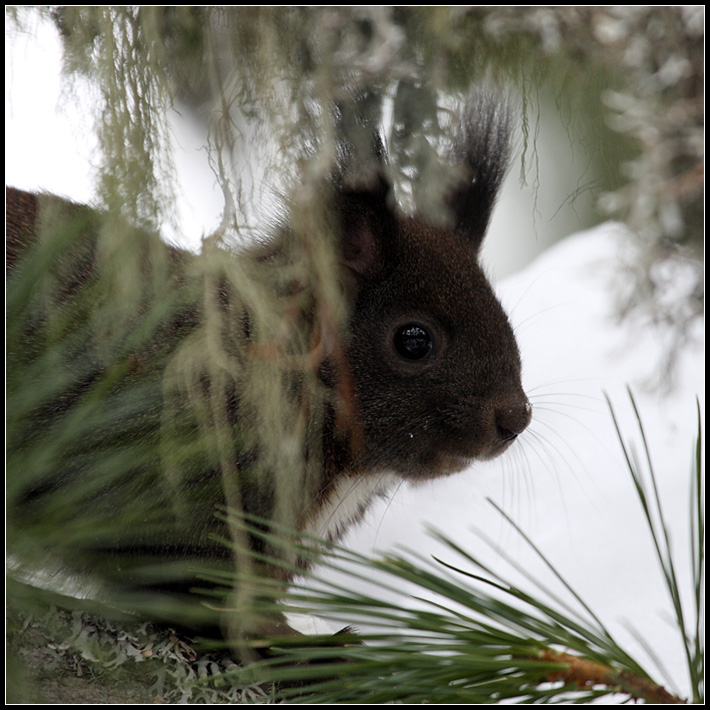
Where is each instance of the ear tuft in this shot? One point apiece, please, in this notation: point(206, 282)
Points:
point(366, 220)
point(361, 252)
point(482, 149)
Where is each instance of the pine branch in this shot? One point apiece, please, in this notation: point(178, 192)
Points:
point(582, 673)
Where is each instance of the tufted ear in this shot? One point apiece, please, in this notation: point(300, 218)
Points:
point(366, 221)
point(482, 149)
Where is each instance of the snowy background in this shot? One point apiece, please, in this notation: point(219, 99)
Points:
point(565, 481)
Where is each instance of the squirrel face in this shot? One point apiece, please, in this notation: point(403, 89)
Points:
point(434, 360)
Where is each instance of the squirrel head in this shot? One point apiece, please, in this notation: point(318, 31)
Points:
point(435, 367)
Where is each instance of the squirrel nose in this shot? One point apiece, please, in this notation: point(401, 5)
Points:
point(512, 420)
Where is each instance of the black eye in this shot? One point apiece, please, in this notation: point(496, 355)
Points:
point(413, 342)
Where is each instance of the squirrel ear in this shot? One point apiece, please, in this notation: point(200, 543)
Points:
point(482, 149)
point(365, 220)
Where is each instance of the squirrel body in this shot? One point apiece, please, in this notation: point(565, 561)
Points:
point(429, 372)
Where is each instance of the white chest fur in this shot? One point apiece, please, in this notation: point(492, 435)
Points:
point(346, 502)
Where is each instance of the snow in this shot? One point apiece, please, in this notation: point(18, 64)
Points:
point(40, 122)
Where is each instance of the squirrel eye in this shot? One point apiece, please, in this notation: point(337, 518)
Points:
point(413, 342)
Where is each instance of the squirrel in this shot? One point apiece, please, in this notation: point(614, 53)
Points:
point(429, 371)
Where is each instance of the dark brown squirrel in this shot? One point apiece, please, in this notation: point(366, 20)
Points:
point(431, 361)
